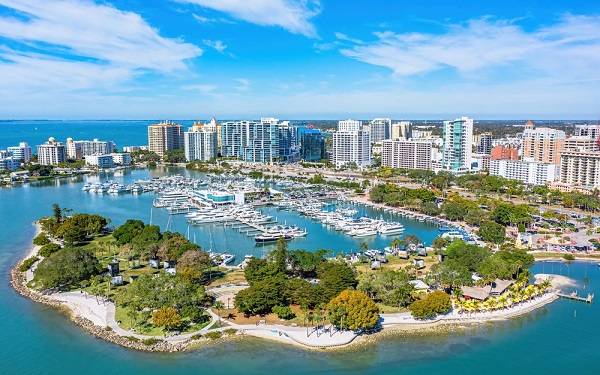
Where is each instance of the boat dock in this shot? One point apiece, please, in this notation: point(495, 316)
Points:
point(575, 296)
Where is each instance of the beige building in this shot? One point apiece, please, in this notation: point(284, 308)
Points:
point(399, 153)
point(581, 143)
point(401, 130)
point(578, 168)
point(164, 137)
point(212, 126)
point(543, 144)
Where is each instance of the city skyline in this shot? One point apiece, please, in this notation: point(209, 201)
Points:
point(81, 59)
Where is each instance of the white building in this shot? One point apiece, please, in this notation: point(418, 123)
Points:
point(123, 159)
point(51, 153)
point(400, 153)
point(587, 130)
point(580, 169)
point(101, 161)
point(351, 147)
point(349, 125)
point(134, 148)
point(21, 152)
point(458, 135)
point(80, 149)
point(200, 143)
point(528, 172)
point(380, 129)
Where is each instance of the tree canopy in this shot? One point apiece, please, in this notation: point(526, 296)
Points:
point(354, 310)
point(436, 302)
point(65, 267)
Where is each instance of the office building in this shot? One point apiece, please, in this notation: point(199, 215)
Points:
point(543, 144)
point(457, 135)
point(580, 168)
point(400, 153)
point(528, 172)
point(312, 145)
point(380, 129)
point(51, 153)
point(200, 143)
point(484, 143)
point(164, 137)
point(402, 129)
point(21, 152)
point(349, 125)
point(289, 142)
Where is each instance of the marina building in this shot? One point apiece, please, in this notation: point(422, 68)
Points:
point(21, 152)
point(400, 153)
point(542, 144)
point(351, 145)
point(80, 149)
point(51, 153)
point(123, 159)
point(200, 143)
point(528, 172)
point(380, 129)
point(580, 168)
point(402, 129)
point(457, 135)
point(164, 137)
point(100, 161)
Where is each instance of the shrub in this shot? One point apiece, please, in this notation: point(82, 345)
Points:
point(230, 331)
point(132, 338)
point(151, 341)
point(27, 263)
point(108, 329)
point(284, 312)
point(569, 257)
point(41, 240)
point(48, 249)
point(196, 336)
point(434, 303)
point(214, 335)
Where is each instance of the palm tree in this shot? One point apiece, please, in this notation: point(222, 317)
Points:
point(396, 243)
point(219, 306)
point(363, 246)
point(132, 314)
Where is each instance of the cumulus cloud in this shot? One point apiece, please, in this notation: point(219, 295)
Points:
point(570, 46)
point(292, 15)
point(217, 45)
point(75, 44)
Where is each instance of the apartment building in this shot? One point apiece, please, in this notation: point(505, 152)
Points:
point(406, 154)
point(164, 137)
point(51, 153)
point(380, 129)
point(402, 129)
point(580, 168)
point(543, 144)
point(351, 144)
point(457, 136)
point(21, 152)
point(200, 143)
point(528, 172)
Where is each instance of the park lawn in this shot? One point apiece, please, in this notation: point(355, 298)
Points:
point(148, 329)
point(395, 263)
point(233, 277)
point(238, 318)
point(386, 309)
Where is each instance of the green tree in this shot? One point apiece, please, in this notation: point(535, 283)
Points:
point(284, 312)
point(335, 278)
point(41, 240)
point(281, 255)
point(260, 269)
point(65, 267)
point(48, 249)
point(360, 312)
point(262, 296)
point(411, 239)
point(57, 212)
point(490, 231)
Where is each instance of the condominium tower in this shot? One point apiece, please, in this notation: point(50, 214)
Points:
point(51, 153)
point(351, 144)
point(200, 143)
point(543, 144)
point(399, 153)
point(457, 144)
point(402, 129)
point(380, 129)
point(164, 137)
point(580, 169)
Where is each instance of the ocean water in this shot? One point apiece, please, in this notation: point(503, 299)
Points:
point(34, 339)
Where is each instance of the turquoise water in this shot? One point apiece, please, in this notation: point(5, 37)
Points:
point(35, 339)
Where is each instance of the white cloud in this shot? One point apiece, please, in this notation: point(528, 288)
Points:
point(203, 19)
point(217, 45)
point(244, 84)
point(292, 15)
point(202, 88)
point(78, 44)
point(570, 47)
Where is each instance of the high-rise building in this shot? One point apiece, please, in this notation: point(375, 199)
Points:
point(580, 143)
point(200, 143)
point(587, 130)
point(352, 147)
point(484, 143)
point(251, 141)
point(543, 144)
point(213, 125)
point(349, 125)
point(51, 153)
point(9, 163)
point(235, 136)
point(21, 152)
point(457, 144)
point(528, 172)
point(312, 145)
point(397, 153)
point(80, 149)
point(580, 168)
point(380, 129)
point(164, 137)
point(402, 129)
point(504, 153)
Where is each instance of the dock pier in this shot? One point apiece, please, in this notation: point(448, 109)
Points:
point(575, 296)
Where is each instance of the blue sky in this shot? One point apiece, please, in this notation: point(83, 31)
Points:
point(294, 59)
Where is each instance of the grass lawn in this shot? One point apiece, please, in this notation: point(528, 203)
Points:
point(148, 329)
point(395, 263)
point(233, 277)
point(238, 318)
